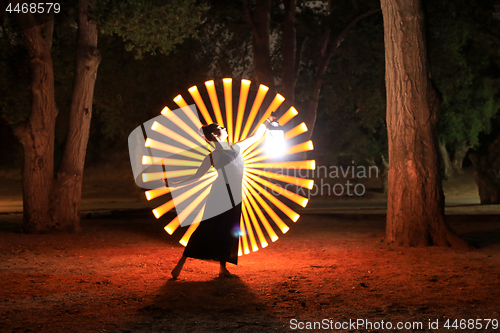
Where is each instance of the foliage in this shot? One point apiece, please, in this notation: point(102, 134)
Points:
point(149, 26)
point(462, 58)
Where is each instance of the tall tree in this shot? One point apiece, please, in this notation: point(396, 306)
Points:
point(415, 203)
point(334, 32)
point(53, 203)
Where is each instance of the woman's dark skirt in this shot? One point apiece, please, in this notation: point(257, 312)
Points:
point(217, 238)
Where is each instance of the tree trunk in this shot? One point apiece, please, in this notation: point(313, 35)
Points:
point(68, 185)
point(288, 71)
point(37, 133)
point(328, 49)
point(259, 26)
point(487, 174)
point(447, 170)
point(458, 158)
point(415, 203)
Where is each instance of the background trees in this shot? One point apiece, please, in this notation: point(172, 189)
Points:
point(54, 202)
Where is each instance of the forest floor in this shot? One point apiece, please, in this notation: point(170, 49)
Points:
point(114, 276)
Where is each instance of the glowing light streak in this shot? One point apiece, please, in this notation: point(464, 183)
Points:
point(161, 210)
point(299, 148)
point(261, 93)
point(246, 250)
point(175, 119)
point(306, 165)
point(307, 183)
point(199, 103)
point(255, 222)
point(287, 116)
point(281, 190)
point(250, 203)
point(215, 102)
point(172, 149)
point(187, 110)
point(240, 253)
point(250, 149)
point(228, 97)
point(152, 160)
point(276, 219)
point(152, 176)
point(159, 128)
point(246, 221)
point(297, 130)
point(275, 104)
point(284, 208)
point(249, 214)
point(182, 216)
point(158, 192)
point(245, 87)
point(187, 235)
point(254, 153)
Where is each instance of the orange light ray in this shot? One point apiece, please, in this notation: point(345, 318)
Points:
point(283, 191)
point(228, 98)
point(159, 128)
point(174, 118)
point(185, 239)
point(200, 104)
point(161, 210)
point(281, 225)
point(158, 192)
point(240, 253)
point(275, 104)
point(306, 165)
point(298, 148)
point(287, 116)
point(307, 183)
point(297, 130)
point(150, 143)
point(187, 235)
point(248, 227)
point(284, 208)
point(260, 234)
point(182, 216)
point(261, 93)
point(152, 176)
point(187, 110)
point(245, 87)
point(215, 102)
point(152, 160)
point(246, 249)
point(254, 153)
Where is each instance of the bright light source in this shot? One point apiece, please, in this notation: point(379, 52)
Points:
point(275, 140)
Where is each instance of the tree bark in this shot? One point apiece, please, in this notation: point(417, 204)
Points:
point(415, 203)
point(68, 184)
point(37, 133)
point(487, 173)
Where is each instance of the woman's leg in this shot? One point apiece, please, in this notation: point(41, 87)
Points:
point(223, 270)
point(178, 268)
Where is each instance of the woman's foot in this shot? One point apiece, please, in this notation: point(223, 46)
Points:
point(223, 272)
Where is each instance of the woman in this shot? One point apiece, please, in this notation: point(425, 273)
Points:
point(217, 236)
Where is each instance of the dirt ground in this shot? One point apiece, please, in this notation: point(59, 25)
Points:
point(114, 277)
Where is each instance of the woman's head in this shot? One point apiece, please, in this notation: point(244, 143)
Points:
point(214, 132)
